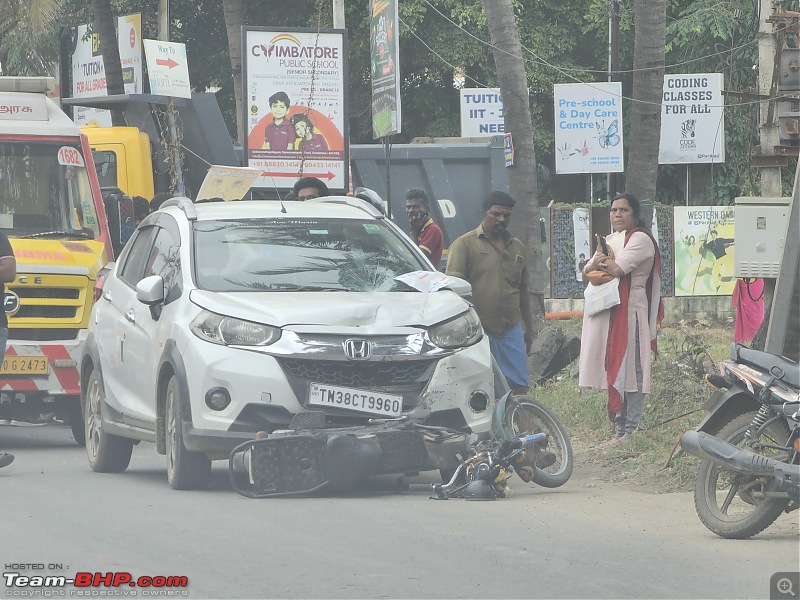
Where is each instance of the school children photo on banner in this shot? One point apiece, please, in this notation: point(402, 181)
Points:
point(295, 105)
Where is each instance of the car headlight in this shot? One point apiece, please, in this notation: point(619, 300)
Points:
point(464, 330)
point(232, 332)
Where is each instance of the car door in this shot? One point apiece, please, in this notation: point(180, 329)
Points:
point(146, 332)
point(110, 327)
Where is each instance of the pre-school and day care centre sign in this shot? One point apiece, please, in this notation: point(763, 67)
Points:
point(588, 128)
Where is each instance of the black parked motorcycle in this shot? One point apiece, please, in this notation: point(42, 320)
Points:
point(749, 443)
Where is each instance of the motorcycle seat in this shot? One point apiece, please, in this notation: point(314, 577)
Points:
point(767, 361)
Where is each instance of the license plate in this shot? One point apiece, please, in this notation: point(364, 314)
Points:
point(25, 365)
point(376, 403)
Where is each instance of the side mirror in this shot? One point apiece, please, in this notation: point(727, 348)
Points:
point(150, 290)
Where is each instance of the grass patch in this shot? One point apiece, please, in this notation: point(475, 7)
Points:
point(675, 404)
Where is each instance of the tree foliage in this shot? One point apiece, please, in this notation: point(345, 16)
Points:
point(563, 42)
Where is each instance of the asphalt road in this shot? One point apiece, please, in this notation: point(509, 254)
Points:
point(584, 540)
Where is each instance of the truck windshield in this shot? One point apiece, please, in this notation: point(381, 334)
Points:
point(44, 191)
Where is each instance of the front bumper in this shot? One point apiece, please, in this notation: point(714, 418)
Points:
point(268, 392)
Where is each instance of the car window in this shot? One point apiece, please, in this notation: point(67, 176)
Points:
point(300, 254)
point(133, 267)
point(165, 260)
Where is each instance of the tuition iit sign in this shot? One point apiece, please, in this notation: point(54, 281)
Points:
point(481, 112)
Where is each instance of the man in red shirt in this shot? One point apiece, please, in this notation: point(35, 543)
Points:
point(424, 231)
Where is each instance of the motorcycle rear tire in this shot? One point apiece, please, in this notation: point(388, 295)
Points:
point(526, 416)
point(745, 515)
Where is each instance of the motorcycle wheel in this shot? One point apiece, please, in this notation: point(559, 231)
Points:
point(731, 504)
point(525, 416)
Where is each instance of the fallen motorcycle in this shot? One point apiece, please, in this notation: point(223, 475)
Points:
point(528, 440)
point(298, 461)
point(750, 472)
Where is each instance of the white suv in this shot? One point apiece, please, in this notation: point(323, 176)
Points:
point(222, 320)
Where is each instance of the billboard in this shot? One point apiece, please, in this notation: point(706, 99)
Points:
point(295, 105)
point(88, 70)
point(384, 52)
point(704, 245)
point(588, 128)
point(692, 119)
point(481, 112)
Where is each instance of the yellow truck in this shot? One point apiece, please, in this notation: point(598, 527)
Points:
point(136, 161)
point(52, 211)
point(122, 158)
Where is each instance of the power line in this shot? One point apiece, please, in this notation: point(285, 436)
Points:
point(543, 62)
point(592, 84)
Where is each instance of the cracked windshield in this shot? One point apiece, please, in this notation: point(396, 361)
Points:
point(301, 255)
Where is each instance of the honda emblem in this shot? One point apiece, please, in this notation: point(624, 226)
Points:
point(357, 349)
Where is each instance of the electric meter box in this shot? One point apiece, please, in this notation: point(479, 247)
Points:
point(760, 234)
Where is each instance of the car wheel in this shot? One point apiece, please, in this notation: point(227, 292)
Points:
point(185, 470)
point(75, 416)
point(107, 453)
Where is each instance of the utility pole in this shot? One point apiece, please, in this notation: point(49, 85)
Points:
point(769, 130)
point(163, 35)
point(613, 74)
point(338, 14)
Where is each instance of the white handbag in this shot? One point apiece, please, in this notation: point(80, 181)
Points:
point(598, 298)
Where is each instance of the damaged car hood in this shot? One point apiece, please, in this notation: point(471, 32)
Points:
point(335, 309)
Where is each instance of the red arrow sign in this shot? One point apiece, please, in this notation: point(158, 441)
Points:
point(327, 175)
point(166, 62)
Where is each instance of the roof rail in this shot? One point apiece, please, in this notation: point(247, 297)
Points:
point(38, 85)
point(184, 203)
point(350, 201)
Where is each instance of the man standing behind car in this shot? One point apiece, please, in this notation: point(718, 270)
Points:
point(8, 272)
point(426, 233)
point(494, 262)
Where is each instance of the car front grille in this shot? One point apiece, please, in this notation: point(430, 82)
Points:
point(406, 377)
point(366, 374)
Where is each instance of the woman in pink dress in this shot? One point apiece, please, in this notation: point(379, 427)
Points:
point(748, 300)
point(616, 343)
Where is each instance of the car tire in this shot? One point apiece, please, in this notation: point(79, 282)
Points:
point(106, 453)
point(75, 416)
point(185, 470)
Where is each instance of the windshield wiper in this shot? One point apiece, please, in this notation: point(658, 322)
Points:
point(69, 234)
point(315, 288)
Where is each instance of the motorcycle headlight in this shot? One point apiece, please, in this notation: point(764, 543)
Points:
point(229, 331)
point(462, 331)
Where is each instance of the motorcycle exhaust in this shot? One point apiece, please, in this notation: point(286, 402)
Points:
point(742, 461)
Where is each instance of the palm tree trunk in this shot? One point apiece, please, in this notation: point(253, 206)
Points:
point(650, 22)
point(234, 19)
point(104, 27)
point(522, 184)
